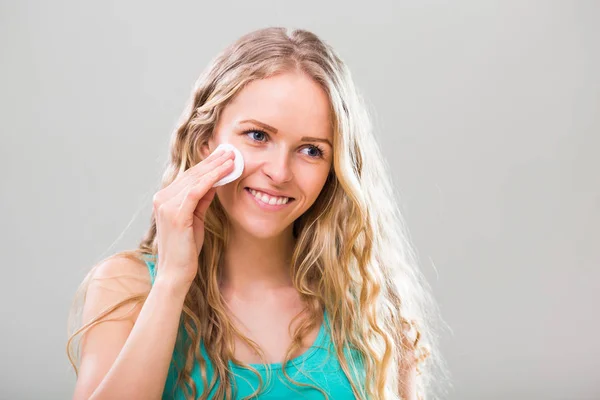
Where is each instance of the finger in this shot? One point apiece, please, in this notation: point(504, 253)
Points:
point(202, 187)
point(194, 173)
point(210, 163)
point(204, 203)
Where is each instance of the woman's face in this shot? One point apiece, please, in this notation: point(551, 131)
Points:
point(282, 127)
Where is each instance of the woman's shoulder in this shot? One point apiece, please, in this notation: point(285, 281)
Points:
point(126, 268)
point(116, 279)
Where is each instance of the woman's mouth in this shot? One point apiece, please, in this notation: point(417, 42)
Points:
point(268, 201)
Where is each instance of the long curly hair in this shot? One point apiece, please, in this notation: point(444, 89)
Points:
point(351, 256)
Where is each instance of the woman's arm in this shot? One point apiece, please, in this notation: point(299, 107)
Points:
point(128, 358)
point(408, 381)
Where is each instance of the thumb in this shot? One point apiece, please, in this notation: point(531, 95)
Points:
point(204, 203)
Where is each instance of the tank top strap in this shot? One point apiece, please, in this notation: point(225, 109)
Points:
point(150, 261)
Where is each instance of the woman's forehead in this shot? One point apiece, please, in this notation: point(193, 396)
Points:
point(291, 102)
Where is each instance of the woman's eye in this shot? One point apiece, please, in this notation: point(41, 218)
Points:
point(258, 136)
point(314, 151)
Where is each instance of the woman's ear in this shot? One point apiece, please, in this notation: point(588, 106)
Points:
point(205, 150)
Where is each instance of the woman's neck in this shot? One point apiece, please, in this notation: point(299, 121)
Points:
point(254, 264)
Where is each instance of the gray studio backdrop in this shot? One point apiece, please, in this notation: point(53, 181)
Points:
point(488, 113)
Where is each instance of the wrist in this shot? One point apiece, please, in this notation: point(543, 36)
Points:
point(171, 288)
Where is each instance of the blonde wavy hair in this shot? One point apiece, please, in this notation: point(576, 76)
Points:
point(351, 257)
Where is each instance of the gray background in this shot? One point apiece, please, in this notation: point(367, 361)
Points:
point(488, 113)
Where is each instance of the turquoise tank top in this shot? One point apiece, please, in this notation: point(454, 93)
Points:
point(318, 366)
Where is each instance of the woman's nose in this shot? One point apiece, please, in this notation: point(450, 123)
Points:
point(277, 167)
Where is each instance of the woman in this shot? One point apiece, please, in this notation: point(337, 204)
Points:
point(293, 281)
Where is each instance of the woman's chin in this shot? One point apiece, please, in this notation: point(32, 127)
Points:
point(264, 232)
point(262, 229)
point(259, 223)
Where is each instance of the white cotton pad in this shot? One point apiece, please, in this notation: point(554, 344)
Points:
point(238, 165)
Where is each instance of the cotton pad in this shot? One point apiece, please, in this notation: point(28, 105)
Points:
point(238, 165)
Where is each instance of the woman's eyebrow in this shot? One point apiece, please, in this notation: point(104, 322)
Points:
point(261, 124)
point(315, 139)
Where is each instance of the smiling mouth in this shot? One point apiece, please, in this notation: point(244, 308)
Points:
point(268, 199)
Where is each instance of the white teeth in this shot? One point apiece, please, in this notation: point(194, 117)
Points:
point(265, 198)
